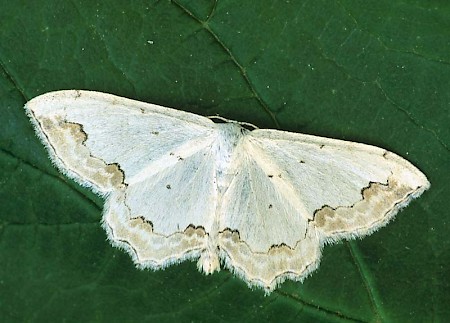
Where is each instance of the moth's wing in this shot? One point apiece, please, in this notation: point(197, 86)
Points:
point(168, 214)
point(96, 137)
point(293, 192)
point(144, 158)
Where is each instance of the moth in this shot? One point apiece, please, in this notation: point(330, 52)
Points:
point(178, 186)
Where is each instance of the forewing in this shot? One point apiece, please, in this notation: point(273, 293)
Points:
point(347, 189)
point(102, 140)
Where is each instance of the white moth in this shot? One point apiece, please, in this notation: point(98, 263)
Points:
point(179, 186)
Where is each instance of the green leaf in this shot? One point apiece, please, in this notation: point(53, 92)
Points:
point(376, 72)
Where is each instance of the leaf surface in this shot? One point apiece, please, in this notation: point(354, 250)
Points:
point(377, 73)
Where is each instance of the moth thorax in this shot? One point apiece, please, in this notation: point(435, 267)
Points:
point(230, 136)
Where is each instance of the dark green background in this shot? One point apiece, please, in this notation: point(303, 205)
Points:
point(376, 72)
